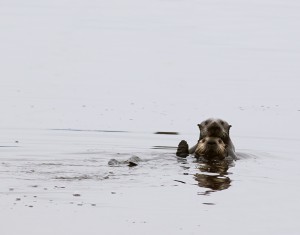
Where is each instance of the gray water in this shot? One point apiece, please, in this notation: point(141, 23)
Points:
point(83, 82)
point(45, 172)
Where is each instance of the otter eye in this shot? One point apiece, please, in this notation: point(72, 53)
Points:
point(206, 122)
point(220, 141)
point(222, 123)
point(203, 140)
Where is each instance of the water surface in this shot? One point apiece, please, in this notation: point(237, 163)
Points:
point(54, 170)
point(83, 82)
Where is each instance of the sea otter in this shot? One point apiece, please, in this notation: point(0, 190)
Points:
point(210, 128)
point(211, 148)
point(208, 149)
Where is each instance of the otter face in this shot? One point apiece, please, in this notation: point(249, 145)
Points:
point(214, 128)
point(211, 148)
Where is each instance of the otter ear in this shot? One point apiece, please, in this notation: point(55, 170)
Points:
point(229, 126)
point(200, 126)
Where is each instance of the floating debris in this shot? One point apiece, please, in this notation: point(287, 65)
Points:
point(166, 133)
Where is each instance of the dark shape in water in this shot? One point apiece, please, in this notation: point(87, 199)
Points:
point(182, 149)
point(166, 133)
point(216, 182)
point(132, 161)
point(208, 203)
point(213, 182)
point(180, 181)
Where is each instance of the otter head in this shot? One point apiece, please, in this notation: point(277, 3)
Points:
point(214, 128)
point(211, 148)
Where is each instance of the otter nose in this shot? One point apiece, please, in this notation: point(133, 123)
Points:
point(211, 142)
point(214, 124)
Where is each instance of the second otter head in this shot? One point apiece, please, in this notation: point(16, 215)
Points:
point(215, 128)
point(211, 148)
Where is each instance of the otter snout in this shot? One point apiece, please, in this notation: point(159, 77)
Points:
point(211, 142)
point(214, 126)
point(211, 148)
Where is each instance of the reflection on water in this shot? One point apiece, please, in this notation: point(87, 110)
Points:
point(213, 175)
point(164, 147)
point(82, 130)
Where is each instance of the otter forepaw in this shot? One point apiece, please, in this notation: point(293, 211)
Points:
point(182, 149)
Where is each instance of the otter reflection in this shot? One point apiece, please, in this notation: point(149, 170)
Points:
point(216, 181)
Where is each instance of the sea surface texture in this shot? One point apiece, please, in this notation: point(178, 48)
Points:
point(96, 95)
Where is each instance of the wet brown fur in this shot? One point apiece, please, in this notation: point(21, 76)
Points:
point(215, 128)
point(211, 148)
point(211, 127)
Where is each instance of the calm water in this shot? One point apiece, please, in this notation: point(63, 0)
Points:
point(83, 82)
point(67, 170)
